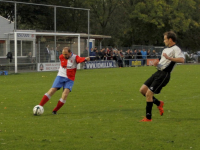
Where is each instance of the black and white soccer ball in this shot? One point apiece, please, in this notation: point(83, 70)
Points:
point(38, 110)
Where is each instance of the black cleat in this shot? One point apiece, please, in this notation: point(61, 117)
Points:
point(54, 112)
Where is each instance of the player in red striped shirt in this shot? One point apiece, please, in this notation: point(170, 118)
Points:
point(65, 77)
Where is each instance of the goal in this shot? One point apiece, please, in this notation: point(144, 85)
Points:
point(31, 49)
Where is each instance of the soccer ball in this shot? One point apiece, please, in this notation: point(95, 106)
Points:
point(38, 110)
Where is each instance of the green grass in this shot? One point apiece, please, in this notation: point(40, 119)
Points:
point(101, 113)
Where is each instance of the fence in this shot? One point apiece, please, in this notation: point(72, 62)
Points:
point(39, 61)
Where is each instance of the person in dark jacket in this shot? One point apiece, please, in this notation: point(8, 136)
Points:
point(139, 54)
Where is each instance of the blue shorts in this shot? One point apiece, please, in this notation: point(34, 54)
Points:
point(60, 82)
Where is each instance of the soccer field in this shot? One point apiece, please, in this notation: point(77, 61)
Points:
point(101, 113)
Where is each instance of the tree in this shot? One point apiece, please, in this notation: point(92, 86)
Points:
point(42, 17)
point(139, 22)
point(107, 18)
point(150, 18)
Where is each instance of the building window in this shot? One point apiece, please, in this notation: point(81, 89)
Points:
point(12, 47)
point(27, 47)
point(23, 47)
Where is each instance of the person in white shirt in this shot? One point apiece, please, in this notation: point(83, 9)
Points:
point(52, 54)
point(47, 53)
point(170, 56)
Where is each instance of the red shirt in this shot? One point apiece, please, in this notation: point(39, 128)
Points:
point(68, 67)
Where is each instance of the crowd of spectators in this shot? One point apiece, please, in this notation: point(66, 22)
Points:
point(120, 56)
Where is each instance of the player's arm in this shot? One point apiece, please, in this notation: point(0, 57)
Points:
point(82, 59)
point(87, 58)
point(178, 60)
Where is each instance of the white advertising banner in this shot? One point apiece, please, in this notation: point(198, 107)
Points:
point(48, 66)
point(100, 64)
point(25, 36)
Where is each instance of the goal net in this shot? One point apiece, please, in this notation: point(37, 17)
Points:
point(39, 51)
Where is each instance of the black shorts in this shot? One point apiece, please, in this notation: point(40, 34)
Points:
point(157, 81)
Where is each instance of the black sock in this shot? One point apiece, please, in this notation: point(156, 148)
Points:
point(148, 109)
point(156, 101)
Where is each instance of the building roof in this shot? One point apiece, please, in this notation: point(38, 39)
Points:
point(5, 27)
point(6, 19)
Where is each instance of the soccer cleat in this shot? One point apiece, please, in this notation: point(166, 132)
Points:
point(54, 112)
point(160, 107)
point(145, 120)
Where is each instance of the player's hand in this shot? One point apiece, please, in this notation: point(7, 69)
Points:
point(165, 55)
point(87, 58)
point(156, 63)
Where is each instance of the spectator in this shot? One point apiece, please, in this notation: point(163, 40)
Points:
point(97, 55)
point(111, 53)
point(128, 56)
point(122, 56)
point(154, 54)
point(144, 56)
point(134, 55)
point(92, 55)
point(108, 54)
point(131, 54)
point(52, 54)
point(149, 53)
point(119, 59)
point(47, 53)
point(95, 49)
point(58, 51)
point(104, 53)
point(115, 48)
point(159, 55)
point(139, 54)
point(31, 60)
point(85, 53)
point(114, 55)
point(101, 54)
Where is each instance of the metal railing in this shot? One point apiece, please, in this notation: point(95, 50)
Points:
point(27, 62)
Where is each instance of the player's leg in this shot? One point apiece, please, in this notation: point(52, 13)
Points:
point(149, 100)
point(67, 89)
point(149, 105)
point(62, 100)
point(162, 81)
point(147, 85)
point(47, 96)
point(56, 85)
point(143, 89)
point(147, 91)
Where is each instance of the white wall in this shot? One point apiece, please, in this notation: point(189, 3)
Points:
point(5, 27)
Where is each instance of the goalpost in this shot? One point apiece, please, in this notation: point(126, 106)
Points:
point(20, 34)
